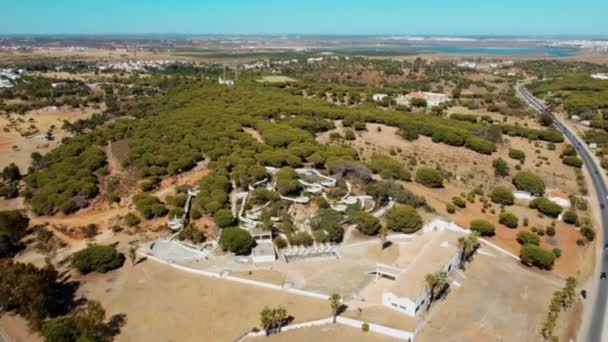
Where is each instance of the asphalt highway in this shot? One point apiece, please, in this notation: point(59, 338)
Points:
point(598, 310)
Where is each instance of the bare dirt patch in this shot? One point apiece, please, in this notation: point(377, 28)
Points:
point(254, 134)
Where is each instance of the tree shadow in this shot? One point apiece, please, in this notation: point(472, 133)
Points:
point(140, 260)
point(341, 309)
point(114, 325)
point(64, 295)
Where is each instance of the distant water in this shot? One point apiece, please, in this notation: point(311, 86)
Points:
point(469, 50)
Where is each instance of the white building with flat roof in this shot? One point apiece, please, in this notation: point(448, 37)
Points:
point(432, 99)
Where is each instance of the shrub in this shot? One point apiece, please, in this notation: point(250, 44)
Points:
point(149, 206)
point(450, 208)
point(459, 202)
point(365, 327)
point(517, 155)
point(403, 218)
point(588, 233)
point(572, 161)
point(483, 227)
point(13, 225)
point(236, 240)
point(131, 220)
point(223, 218)
point(480, 145)
point(527, 181)
point(280, 242)
point(550, 231)
point(502, 195)
point(570, 217)
point(429, 177)
point(532, 255)
point(300, 238)
point(557, 252)
point(525, 237)
point(508, 219)
point(546, 207)
point(501, 168)
point(367, 224)
point(388, 168)
point(97, 258)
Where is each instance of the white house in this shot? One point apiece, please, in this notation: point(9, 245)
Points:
point(559, 198)
point(432, 99)
point(379, 97)
point(409, 293)
point(226, 82)
point(586, 123)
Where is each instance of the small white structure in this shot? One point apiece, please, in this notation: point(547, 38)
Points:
point(467, 65)
point(432, 99)
point(559, 198)
point(225, 82)
point(379, 97)
point(586, 123)
point(523, 195)
point(600, 76)
point(575, 118)
point(263, 253)
point(592, 146)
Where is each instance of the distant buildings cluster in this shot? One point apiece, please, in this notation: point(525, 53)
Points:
point(9, 76)
point(131, 66)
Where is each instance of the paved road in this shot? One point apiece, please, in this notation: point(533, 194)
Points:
point(598, 310)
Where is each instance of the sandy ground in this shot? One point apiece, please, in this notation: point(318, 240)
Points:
point(325, 333)
point(164, 304)
point(513, 306)
point(277, 79)
point(16, 330)
point(17, 149)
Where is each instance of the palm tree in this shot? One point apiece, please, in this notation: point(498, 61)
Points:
point(133, 254)
point(266, 319)
point(383, 233)
point(435, 281)
point(279, 317)
point(335, 301)
point(467, 245)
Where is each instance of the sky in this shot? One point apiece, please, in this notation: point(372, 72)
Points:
point(360, 17)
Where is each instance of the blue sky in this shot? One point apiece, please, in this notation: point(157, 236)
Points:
point(463, 17)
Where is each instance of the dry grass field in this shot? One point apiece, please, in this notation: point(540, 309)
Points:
point(513, 306)
point(164, 304)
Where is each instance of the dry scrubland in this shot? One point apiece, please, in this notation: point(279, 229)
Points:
point(473, 169)
point(36, 122)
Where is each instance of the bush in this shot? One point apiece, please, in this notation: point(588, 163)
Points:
point(450, 208)
point(570, 217)
point(429, 177)
point(550, 231)
point(527, 181)
point(97, 258)
point(149, 206)
point(367, 223)
point(280, 242)
point(525, 237)
point(532, 255)
point(517, 155)
point(546, 207)
point(223, 218)
point(300, 239)
point(480, 145)
point(403, 218)
point(459, 202)
point(60, 329)
point(389, 168)
point(508, 219)
point(13, 225)
point(502, 195)
point(588, 233)
point(572, 161)
point(483, 227)
point(501, 168)
point(557, 252)
point(131, 220)
point(236, 240)
point(365, 327)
